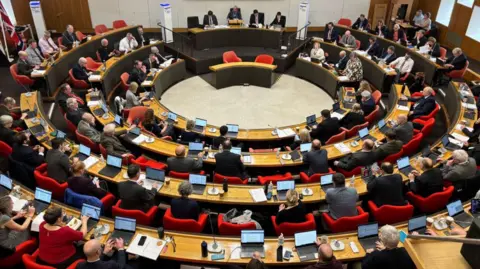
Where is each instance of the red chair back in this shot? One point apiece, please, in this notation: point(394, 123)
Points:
point(346, 224)
point(227, 228)
point(264, 59)
point(5, 149)
point(345, 22)
point(432, 114)
point(289, 229)
point(230, 57)
point(137, 112)
point(144, 163)
point(87, 142)
point(20, 79)
point(427, 126)
point(443, 53)
point(274, 179)
point(60, 41)
point(103, 151)
point(48, 183)
point(370, 118)
point(432, 203)
point(92, 65)
point(389, 214)
point(80, 35)
point(79, 84)
point(124, 81)
point(251, 150)
point(217, 178)
point(100, 29)
point(412, 146)
point(119, 24)
point(337, 138)
point(376, 95)
point(315, 177)
point(355, 171)
point(458, 73)
point(359, 44)
point(392, 158)
point(70, 126)
point(178, 175)
point(141, 217)
point(15, 259)
point(30, 262)
point(184, 225)
point(354, 131)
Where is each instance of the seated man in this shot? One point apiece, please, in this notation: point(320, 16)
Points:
point(184, 164)
point(210, 19)
point(138, 74)
point(342, 63)
point(69, 36)
point(104, 51)
point(217, 141)
point(8, 107)
point(46, 44)
point(457, 61)
point(279, 20)
point(403, 129)
point(65, 93)
point(142, 40)
point(234, 14)
point(427, 183)
point(348, 40)
point(97, 257)
point(460, 167)
point(423, 105)
point(327, 128)
point(367, 103)
point(361, 158)
point(58, 164)
point(35, 56)
point(330, 34)
point(25, 68)
point(229, 164)
point(389, 56)
point(431, 48)
point(151, 62)
point(387, 187)
point(86, 127)
point(74, 113)
point(403, 65)
point(326, 258)
point(419, 40)
point(111, 143)
point(133, 195)
point(7, 135)
point(184, 208)
point(392, 146)
point(373, 46)
point(316, 159)
point(80, 71)
point(157, 53)
point(128, 43)
point(24, 153)
point(426, 23)
point(257, 19)
point(361, 23)
point(342, 201)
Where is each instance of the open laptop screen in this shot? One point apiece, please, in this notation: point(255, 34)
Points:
point(114, 161)
point(197, 179)
point(125, 224)
point(252, 236)
point(475, 206)
point(326, 179)
point(232, 128)
point(363, 132)
point(454, 208)
point(195, 146)
point(305, 238)
point(416, 223)
point(285, 185)
point(85, 150)
point(91, 211)
point(155, 174)
point(367, 230)
point(311, 119)
point(200, 122)
point(381, 123)
point(236, 150)
point(172, 116)
point(43, 195)
point(6, 182)
point(305, 147)
point(403, 162)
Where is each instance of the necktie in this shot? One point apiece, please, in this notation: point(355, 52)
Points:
point(256, 19)
point(48, 42)
point(129, 45)
point(330, 34)
point(211, 20)
point(38, 55)
point(401, 66)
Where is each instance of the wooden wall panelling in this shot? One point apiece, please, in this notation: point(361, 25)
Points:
point(58, 14)
point(21, 8)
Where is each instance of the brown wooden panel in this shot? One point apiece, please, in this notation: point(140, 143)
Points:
point(21, 9)
point(62, 13)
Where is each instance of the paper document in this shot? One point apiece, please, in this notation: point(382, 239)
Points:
point(247, 159)
point(459, 127)
point(93, 103)
point(36, 222)
point(461, 138)
point(337, 115)
point(90, 161)
point(404, 108)
point(151, 248)
point(455, 141)
point(285, 132)
point(18, 204)
point(38, 72)
point(258, 195)
point(140, 139)
point(342, 148)
point(469, 106)
point(147, 83)
point(94, 78)
point(343, 78)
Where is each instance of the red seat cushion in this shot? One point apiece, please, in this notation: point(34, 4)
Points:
point(289, 229)
point(346, 224)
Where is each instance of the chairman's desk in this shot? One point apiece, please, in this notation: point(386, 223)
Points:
point(241, 73)
point(235, 36)
point(188, 245)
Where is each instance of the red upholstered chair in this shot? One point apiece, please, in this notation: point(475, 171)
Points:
point(80, 35)
point(432, 114)
point(124, 80)
point(337, 138)
point(30, 262)
point(184, 225)
point(315, 177)
point(427, 126)
point(100, 29)
point(370, 118)
point(412, 146)
point(70, 126)
point(420, 95)
point(226, 228)
point(355, 171)
point(60, 41)
point(217, 178)
point(5, 149)
point(264, 59)
point(432, 203)
point(230, 57)
point(389, 214)
point(359, 43)
point(345, 22)
point(251, 150)
point(443, 53)
point(143, 162)
point(78, 84)
point(87, 142)
point(24, 81)
point(125, 113)
point(92, 65)
point(15, 259)
point(354, 131)
point(119, 24)
point(274, 179)
point(289, 228)
point(141, 217)
point(457, 73)
point(47, 183)
point(137, 112)
point(346, 224)
point(182, 175)
point(392, 158)
point(376, 95)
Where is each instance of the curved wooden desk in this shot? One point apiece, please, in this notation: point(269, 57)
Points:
point(241, 73)
point(235, 37)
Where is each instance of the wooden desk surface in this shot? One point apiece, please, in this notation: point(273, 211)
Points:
point(218, 67)
point(230, 27)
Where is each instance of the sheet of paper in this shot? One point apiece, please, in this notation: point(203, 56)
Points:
point(459, 127)
point(469, 106)
point(461, 138)
point(337, 115)
point(404, 108)
point(455, 141)
point(285, 132)
point(343, 78)
point(247, 159)
point(39, 72)
point(235, 255)
point(342, 148)
point(94, 78)
point(140, 139)
point(18, 204)
point(151, 249)
point(258, 195)
point(36, 222)
point(147, 83)
point(93, 103)
point(90, 161)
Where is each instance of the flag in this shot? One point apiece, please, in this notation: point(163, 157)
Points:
point(9, 27)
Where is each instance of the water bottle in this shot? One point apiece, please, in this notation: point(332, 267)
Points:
point(281, 239)
point(270, 188)
point(225, 185)
point(352, 181)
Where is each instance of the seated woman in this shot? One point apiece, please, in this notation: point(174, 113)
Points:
point(151, 124)
point(13, 234)
point(57, 246)
point(353, 118)
point(184, 208)
point(364, 86)
point(381, 30)
point(294, 211)
point(303, 137)
point(131, 97)
point(188, 135)
point(81, 183)
point(317, 52)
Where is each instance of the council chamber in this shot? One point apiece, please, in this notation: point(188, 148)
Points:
point(240, 134)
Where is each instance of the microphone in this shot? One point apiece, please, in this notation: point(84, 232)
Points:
point(215, 247)
point(174, 244)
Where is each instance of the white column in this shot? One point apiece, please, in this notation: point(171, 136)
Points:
point(303, 12)
point(38, 19)
point(166, 20)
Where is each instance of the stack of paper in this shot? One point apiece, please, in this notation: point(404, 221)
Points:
point(460, 137)
point(469, 106)
point(18, 204)
point(151, 248)
point(140, 139)
point(93, 103)
point(285, 132)
point(258, 195)
point(360, 52)
point(90, 161)
point(343, 78)
point(459, 127)
point(404, 108)
point(94, 78)
point(38, 72)
point(344, 149)
point(36, 222)
point(337, 115)
point(455, 141)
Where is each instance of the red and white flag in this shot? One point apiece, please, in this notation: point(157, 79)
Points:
point(9, 27)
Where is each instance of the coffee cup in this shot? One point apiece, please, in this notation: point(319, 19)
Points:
point(221, 193)
point(430, 222)
point(449, 220)
point(167, 181)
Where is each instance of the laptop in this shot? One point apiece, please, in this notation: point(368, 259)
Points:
point(337, 109)
point(251, 241)
point(232, 130)
point(450, 146)
point(200, 125)
point(113, 167)
point(117, 120)
point(305, 245)
point(462, 218)
point(32, 113)
point(305, 147)
point(94, 215)
point(368, 235)
point(42, 199)
point(404, 165)
point(199, 183)
point(124, 228)
point(427, 153)
point(475, 207)
point(311, 120)
point(37, 130)
point(171, 117)
point(283, 187)
point(153, 175)
point(101, 110)
point(326, 182)
point(402, 102)
point(363, 134)
point(382, 126)
point(194, 148)
point(83, 153)
point(6, 183)
point(236, 150)
point(60, 134)
point(133, 133)
point(417, 224)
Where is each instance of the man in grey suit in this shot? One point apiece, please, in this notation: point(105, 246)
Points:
point(342, 201)
point(184, 164)
point(392, 146)
point(58, 164)
point(460, 167)
point(316, 159)
point(86, 127)
point(362, 158)
point(403, 129)
point(111, 143)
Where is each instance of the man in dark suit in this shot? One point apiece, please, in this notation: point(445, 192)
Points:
point(228, 163)
point(419, 40)
point(392, 146)
point(133, 195)
point(342, 63)
point(361, 23)
point(111, 143)
point(373, 46)
point(210, 19)
point(316, 159)
point(8, 107)
point(80, 71)
point(387, 188)
point(327, 128)
point(427, 183)
point(7, 135)
point(279, 20)
point(217, 141)
point(234, 14)
point(23, 153)
point(98, 258)
point(104, 51)
point(367, 103)
point(257, 18)
point(389, 56)
point(68, 37)
point(58, 164)
point(423, 105)
point(151, 62)
point(138, 73)
point(184, 208)
point(184, 164)
point(457, 61)
point(403, 129)
point(433, 47)
point(65, 93)
point(24, 68)
point(74, 113)
point(361, 158)
point(330, 34)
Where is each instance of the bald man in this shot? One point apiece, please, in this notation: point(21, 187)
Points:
point(68, 37)
point(184, 164)
point(326, 259)
point(80, 71)
point(427, 183)
point(25, 68)
point(423, 105)
point(404, 129)
point(316, 159)
point(96, 257)
point(361, 158)
point(86, 127)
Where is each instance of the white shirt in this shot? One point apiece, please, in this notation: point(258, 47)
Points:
point(47, 46)
point(127, 45)
point(406, 66)
point(317, 54)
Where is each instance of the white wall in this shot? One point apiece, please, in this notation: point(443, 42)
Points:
point(7, 4)
point(146, 12)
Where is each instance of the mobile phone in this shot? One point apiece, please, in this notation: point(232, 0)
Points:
point(275, 198)
point(287, 255)
point(220, 256)
point(142, 240)
point(269, 196)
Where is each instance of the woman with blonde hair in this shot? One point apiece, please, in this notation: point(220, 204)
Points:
point(317, 52)
point(353, 117)
point(131, 97)
point(188, 135)
point(81, 183)
point(364, 86)
point(303, 137)
point(293, 211)
point(13, 234)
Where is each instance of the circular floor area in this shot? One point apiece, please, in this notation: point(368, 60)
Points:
point(288, 102)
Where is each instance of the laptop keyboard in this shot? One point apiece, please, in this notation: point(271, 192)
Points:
point(109, 171)
point(368, 242)
point(126, 236)
point(39, 206)
point(198, 189)
point(407, 170)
